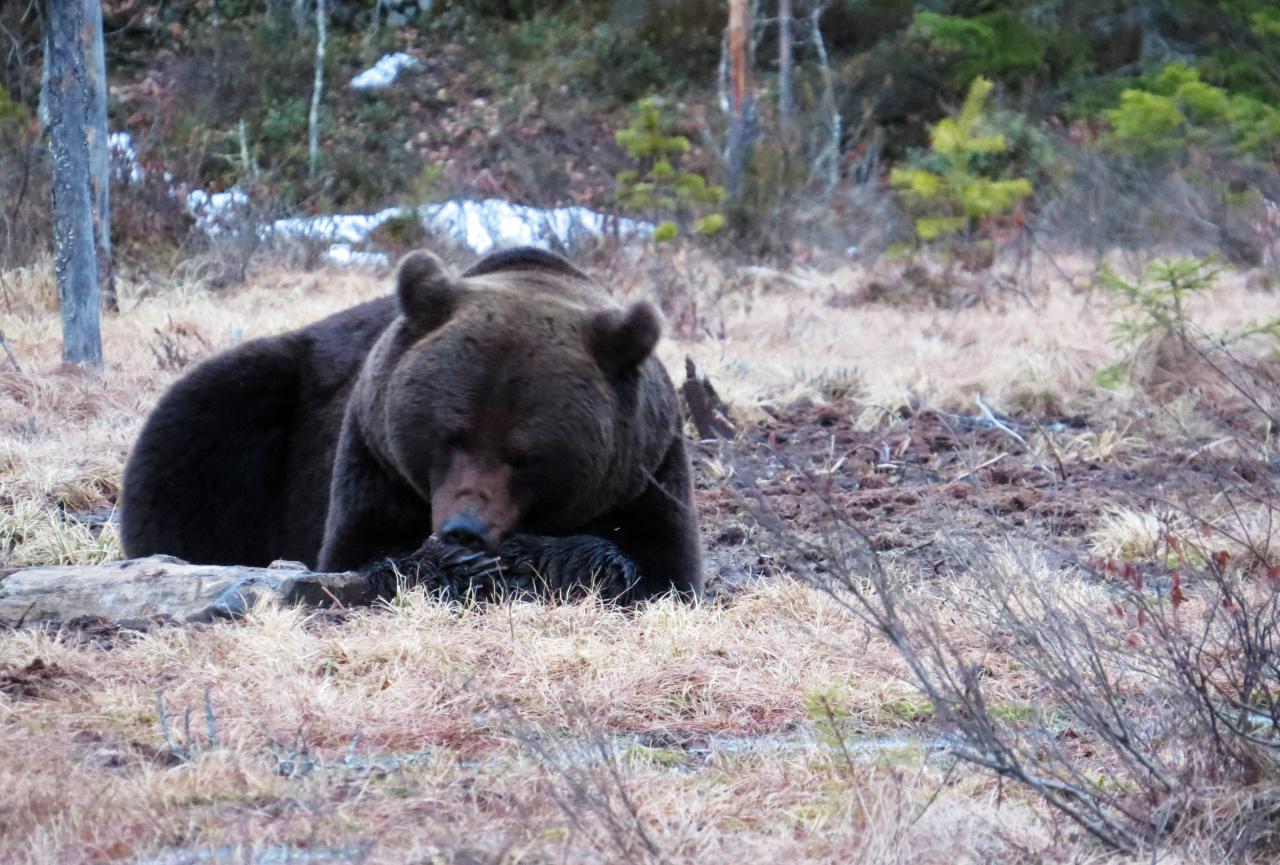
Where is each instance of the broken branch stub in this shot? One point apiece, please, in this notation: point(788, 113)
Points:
point(708, 412)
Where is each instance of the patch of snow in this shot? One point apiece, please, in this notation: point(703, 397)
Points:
point(481, 226)
point(341, 227)
point(343, 253)
point(123, 157)
point(401, 12)
point(217, 212)
point(492, 223)
point(384, 72)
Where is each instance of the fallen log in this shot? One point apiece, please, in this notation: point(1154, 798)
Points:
point(162, 589)
point(156, 589)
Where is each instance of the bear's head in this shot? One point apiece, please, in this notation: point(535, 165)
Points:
point(517, 398)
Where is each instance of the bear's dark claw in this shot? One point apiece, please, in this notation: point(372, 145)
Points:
point(568, 567)
point(527, 566)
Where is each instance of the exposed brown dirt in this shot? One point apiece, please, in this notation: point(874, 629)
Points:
point(34, 679)
point(928, 476)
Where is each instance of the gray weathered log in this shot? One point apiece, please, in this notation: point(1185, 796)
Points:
point(164, 588)
point(140, 592)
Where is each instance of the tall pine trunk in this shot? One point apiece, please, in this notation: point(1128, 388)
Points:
point(70, 101)
point(742, 108)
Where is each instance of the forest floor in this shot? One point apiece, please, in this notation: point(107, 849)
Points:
point(769, 723)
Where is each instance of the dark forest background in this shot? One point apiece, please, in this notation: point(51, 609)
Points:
point(1109, 123)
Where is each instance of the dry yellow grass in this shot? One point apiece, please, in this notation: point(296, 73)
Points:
point(64, 434)
point(427, 729)
point(527, 733)
point(782, 337)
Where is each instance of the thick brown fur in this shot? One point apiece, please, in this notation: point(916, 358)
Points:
point(516, 397)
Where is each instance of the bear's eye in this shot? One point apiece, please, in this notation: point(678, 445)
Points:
point(454, 441)
point(519, 461)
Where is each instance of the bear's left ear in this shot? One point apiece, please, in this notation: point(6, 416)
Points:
point(621, 341)
point(427, 291)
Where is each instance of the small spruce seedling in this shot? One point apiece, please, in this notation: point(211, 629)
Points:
point(954, 197)
point(658, 187)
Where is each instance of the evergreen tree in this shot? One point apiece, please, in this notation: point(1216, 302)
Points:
point(659, 188)
point(955, 197)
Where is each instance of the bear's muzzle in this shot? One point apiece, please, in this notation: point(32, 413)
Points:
point(473, 507)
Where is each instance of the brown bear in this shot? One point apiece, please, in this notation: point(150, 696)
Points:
point(512, 403)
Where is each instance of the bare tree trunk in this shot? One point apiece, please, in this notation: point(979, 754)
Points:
point(42, 107)
point(742, 110)
point(99, 156)
point(786, 94)
point(827, 162)
point(69, 99)
point(313, 145)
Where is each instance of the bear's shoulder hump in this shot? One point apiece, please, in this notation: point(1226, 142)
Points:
point(524, 258)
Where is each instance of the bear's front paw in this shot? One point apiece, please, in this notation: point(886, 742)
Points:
point(567, 567)
point(450, 570)
point(527, 566)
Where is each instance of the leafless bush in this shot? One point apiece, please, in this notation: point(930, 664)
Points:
point(584, 777)
point(25, 226)
point(597, 803)
point(177, 345)
point(1156, 683)
point(1099, 200)
point(1153, 718)
point(145, 211)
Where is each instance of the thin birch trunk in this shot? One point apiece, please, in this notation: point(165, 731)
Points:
point(313, 145)
point(99, 155)
point(827, 162)
point(786, 62)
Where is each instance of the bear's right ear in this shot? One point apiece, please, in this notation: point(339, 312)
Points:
point(622, 340)
point(427, 292)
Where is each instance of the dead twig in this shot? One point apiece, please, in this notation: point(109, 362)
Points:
point(982, 465)
point(1053, 447)
point(4, 344)
point(991, 418)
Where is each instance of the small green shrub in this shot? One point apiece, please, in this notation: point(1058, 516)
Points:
point(617, 64)
point(1156, 302)
point(1154, 307)
point(949, 190)
point(1176, 107)
point(673, 198)
point(828, 709)
point(9, 110)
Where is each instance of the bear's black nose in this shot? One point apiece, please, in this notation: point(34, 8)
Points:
point(465, 530)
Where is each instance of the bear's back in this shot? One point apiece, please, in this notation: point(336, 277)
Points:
point(232, 466)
